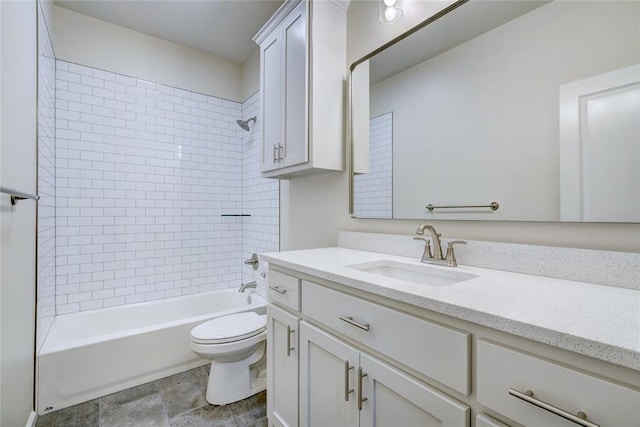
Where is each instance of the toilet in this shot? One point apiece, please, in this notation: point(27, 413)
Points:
point(235, 344)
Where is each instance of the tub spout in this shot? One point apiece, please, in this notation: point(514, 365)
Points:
point(250, 285)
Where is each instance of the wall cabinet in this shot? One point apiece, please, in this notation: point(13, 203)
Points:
point(302, 75)
point(343, 386)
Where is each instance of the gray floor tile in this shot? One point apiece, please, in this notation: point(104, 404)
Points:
point(82, 415)
point(178, 401)
point(250, 410)
point(129, 395)
point(146, 411)
point(207, 416)
point(183, 392)
point(262, 422)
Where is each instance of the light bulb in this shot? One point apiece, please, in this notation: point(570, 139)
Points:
point(390, 13)
point(390, 2)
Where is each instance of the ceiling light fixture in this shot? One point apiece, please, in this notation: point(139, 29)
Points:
point(389, 11)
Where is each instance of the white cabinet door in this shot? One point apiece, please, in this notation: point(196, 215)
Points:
point(272, 100)
point(294, 36)
point(282, 367)
point(328, 371)
point(394, 399)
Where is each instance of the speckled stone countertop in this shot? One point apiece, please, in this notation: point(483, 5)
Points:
point(598, 321)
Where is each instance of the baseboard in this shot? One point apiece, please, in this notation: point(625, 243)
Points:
point(33, 417)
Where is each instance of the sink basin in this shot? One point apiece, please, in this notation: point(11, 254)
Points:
point(420, 274)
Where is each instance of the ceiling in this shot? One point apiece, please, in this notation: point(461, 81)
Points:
point(222, 28)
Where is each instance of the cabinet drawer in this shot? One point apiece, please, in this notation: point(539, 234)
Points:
point(483, 420)
point(501, 369)
point(284, 290)
point(436, 351)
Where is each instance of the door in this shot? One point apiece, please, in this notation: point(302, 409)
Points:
point(272, 80)
point(600, 147)
point(328, 370)
point(282, 367)
point(294, 38)
point(394, 399)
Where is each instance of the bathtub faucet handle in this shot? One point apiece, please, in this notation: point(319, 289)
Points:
point(250, 285)
point(253, 261)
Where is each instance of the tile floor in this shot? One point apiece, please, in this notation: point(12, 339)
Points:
point(176, 401)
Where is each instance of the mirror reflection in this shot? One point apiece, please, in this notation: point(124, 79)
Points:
point(532, 105)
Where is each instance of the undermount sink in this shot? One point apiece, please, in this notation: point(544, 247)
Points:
point(420, 274)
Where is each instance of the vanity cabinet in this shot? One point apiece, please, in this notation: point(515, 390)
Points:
point(343, 386)
point(302, 74)
point(340, 356)
point(282, 367)
point(552, 391)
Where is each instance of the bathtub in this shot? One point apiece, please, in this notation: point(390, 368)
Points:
point(94, 353)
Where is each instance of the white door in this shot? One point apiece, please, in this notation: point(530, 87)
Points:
point(295, 50)
point(282, 367)
point(600, 147)
point(272, 79)
point(395, 399)
point(328, 370)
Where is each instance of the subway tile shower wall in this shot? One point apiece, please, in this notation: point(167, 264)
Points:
point(373, 190)
point(260, 198)
point(144, 173)
point(46, 182)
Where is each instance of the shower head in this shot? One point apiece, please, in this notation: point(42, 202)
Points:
point(244, 124)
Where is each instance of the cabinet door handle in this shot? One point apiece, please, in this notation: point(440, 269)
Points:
point(527, 396)
point(280, 148)
point(278, 290)
point(349, 320)
point(361, 399)
point(289, 348)
point(275, 153)
point(347, 390)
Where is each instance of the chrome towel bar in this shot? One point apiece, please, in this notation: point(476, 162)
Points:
point(18, 195)
point(493, 205)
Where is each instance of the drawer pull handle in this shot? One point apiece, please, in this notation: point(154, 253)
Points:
point(289, 348)
point(278, 290)
point(347, 390)
point(527, 396)
point(349, 320)
point(361, 399)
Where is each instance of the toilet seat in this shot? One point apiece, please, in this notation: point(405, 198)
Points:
point(226, 329)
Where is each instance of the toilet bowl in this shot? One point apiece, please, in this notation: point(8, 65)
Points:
point(236, 345)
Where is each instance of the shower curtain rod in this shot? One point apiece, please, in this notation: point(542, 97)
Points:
point(18, 195)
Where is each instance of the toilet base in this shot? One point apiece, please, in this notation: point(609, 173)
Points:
point(233, 381)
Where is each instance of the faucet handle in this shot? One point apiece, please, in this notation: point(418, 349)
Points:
point(427, 248)
point(451, 257)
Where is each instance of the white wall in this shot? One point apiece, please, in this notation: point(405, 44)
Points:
point(313, 209)
point(251, 76)
point(88, 41)
point(18, 53)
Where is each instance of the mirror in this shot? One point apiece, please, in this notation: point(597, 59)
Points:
point(502, 110)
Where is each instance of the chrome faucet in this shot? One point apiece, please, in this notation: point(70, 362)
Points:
point(250, 285)
point(436, 258)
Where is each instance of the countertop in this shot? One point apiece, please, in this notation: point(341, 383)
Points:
point(602, 322)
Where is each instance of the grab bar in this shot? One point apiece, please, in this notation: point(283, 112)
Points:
point(493, 205)
point(18, 195)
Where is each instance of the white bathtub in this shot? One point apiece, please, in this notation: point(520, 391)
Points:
point(91, 354)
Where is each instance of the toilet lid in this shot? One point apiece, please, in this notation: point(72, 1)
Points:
point(230, 328)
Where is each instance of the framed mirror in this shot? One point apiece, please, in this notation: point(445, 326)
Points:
point(502, 110)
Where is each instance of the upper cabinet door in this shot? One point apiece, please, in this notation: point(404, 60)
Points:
point(272, 100)
point(295, 108)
